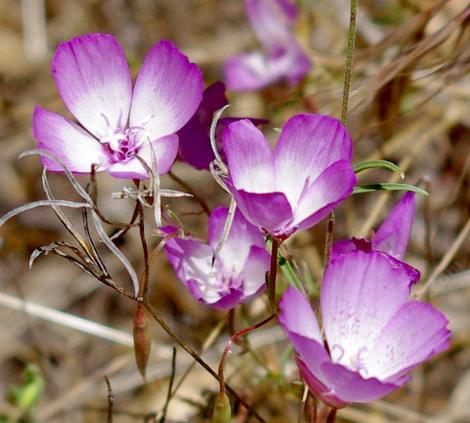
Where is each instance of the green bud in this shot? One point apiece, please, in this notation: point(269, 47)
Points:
point(222, 412)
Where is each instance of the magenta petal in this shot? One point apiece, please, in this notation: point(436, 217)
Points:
point(270, 212)
point(350, 386)
point(167, 91)
point(165, 149)
point(296, 315)
point(308, 145)
point(94, 80)
point(333, 186)
point(195, 147)
point(242, 236)
point(225, 302)
point(414, 334)
point(75, 147)
point(249, 156)
point(394, 233)
point(360, 293)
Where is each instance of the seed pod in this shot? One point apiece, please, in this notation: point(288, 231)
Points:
point(142, 341)
point(222, 412)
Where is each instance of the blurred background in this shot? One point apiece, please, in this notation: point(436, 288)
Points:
point(409, 104)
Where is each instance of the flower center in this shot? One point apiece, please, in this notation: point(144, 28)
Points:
point(355, 362)
point(123, 144)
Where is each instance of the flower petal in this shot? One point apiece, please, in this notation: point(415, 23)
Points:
point(249, 156)
point(225, 302)
point(415, 333)
point(360, 293)
point(350, 386)
point(254, 271)
point(167, 92)
point(165, 150)
point(242, 236)
point(195, 147)
point(333, 186)
point(192, 262)
point(296, 315)
point(270, 212)
point(94, 80)
point(308, 145)
point(75, 147)
point(394, 233)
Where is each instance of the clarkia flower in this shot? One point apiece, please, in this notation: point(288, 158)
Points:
point(293, 187)
point(236, 274)
point(194, 141)
point(374, 334)
point(118, 122)
point(283, 58)
point(392, 236)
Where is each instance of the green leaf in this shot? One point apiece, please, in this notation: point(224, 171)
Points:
point(286, 268)
point(26, 396)
point(378, 164)
point(388, 186)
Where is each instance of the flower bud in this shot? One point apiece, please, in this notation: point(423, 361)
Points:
point(222, 412)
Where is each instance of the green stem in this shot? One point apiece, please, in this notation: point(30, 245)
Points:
point(349, 61)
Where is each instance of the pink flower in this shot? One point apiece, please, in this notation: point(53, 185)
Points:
point(117, 121)
point(295, 186)
point(374, 333)
point(283, 58)
point(393, 235)
point(238, 271)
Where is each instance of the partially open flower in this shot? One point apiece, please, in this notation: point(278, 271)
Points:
point(393, 235)
point(283, 58)
point(293, 187)
point(374, 334)
point(236, 274)
point(118, 122)
point(194, 140)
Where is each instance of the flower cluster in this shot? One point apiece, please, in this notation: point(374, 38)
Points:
point(372, 334)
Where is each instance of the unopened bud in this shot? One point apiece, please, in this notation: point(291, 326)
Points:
point(142, 341)
point(222, 412)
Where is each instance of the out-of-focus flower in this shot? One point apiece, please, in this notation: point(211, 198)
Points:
point(293, 187)
point(374, 334)
point(118, 122)
point(393, 235)
point(235, 275)
point(283, 58)
point(195, 146)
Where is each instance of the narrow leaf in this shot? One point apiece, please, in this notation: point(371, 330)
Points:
point(388, 186)
point(375, 164)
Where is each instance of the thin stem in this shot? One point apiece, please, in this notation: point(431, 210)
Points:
point(200, 361)
point(272, 276)
point(228, 347)
point(329, 238)
point(143, 287)
point(349, 61)
point(110, 401)
point(170, 386)
point(331, 416)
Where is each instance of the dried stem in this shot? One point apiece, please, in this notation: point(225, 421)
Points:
point(331, 416)
point(170, 387)
point(110, 401)
point(329, 239)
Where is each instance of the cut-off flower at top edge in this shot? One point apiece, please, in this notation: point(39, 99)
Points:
point(273, 22)
point(118, 122)
point(375, 334)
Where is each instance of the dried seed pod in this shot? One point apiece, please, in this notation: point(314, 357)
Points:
point(142, 341)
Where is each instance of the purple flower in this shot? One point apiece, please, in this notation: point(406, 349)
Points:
point(393, 235)
point(283, 58)
point(195, 146)
point(238, 271)
point(374, 334)
point(293, 187)
point(118, 122)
